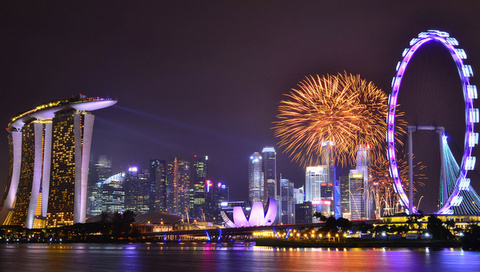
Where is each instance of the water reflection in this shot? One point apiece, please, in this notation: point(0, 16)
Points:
point(219, 257)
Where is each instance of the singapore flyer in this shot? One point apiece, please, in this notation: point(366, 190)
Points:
point(471, 117)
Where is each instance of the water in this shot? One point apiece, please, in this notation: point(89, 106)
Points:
point(200, 257)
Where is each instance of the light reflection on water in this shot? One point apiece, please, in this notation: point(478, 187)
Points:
point(217, 257)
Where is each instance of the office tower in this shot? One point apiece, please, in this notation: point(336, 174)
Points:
point(216, 194)
point(269, 157)
point(328, 160)
point(303, 212)
point(287, 202)
point(99, 170)
point(361, 203)
point(318, 190)
point(255, 178)
point(158, 178)
point(137, 190)
point(49, 157)
point(357, 199)
point(109, 195)
point(199, 176)
point(104, 167)
point(345, 196)
point(299, 195)
point(178, 183)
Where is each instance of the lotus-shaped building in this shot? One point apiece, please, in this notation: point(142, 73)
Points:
point(258, 217)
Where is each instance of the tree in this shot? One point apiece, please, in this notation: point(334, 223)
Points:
point(436, 229)
point(320, 216)
point(122, 223)
point(415, 220)
point(344, 224)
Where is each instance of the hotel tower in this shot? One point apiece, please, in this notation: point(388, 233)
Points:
point(49, 157)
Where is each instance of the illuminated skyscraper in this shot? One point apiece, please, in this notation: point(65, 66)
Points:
point(299, 195)
point(269, 157)
point(49, 157)
point(137, 190)
point(99, 170)
point(198, 192)
point(255, 178)
point(287, 202)
point(361, 203)
point(109, 195)
point(158, 178)
point(177, 186)
point(345, 196)
point(216, 194)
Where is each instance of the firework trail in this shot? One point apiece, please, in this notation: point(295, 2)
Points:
point(381, 185)
point(343, 108)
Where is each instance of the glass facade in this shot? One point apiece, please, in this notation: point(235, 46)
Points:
point(270, 173)
point(255, 178)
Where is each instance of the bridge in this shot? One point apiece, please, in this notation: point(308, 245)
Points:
point(239, 234)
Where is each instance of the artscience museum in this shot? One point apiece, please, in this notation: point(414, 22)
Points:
point(258, 216)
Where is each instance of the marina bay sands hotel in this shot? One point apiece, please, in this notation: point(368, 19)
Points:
point(49, 157)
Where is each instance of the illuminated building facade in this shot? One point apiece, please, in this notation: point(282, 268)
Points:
point(99, 170)
point(255, 178)
point(269, 158)
point(345, 196)
point(198, 190)
point(137, 190)
point(361, 202)
point(49, 157)
point(328, 188)
point(109, 195)
point(299, 195)
point(303, 212)
point(357, 194)
point(258, 216)
point(158, 178)
point(318, 191)
point(287, 202)
point(177, 187)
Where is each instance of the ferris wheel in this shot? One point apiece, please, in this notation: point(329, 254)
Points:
point(471, 117)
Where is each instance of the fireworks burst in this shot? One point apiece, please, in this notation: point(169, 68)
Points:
point(381, 185)
point(344, 109)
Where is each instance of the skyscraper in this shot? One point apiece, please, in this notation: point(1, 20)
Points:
point(137, 190)
point(99, 171)
point(109, 195)
point(198, 192)
point(158, 179)
point(49, 157)
point(328, 160)
point(269, 157)
point(287, 202)
point(178, 185)
point(255, 178)
point(299, 195)
point(361, 202)
point(216, 194)
point(345, 196)
point(318, 190)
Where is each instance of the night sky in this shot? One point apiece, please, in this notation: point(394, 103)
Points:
point(206, 77)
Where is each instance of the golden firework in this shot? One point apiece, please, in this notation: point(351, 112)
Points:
point(381, 185)
point(342, 108)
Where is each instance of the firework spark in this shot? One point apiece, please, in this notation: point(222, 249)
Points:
point(343, 108)
point(381, 185)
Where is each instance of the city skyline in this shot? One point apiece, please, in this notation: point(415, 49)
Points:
point(207, 80)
